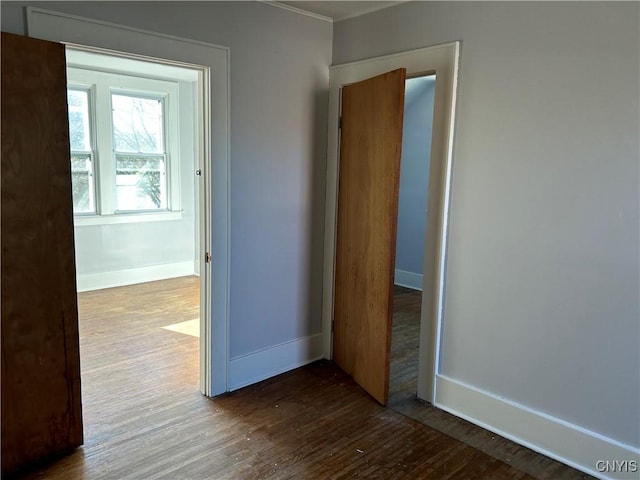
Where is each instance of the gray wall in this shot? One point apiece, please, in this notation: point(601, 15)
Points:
point(542, 293)
point(279, 83)
point(414, 174)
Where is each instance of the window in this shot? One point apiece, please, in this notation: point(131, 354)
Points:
point(138, 141)
point(81, 151)
point(123, 132)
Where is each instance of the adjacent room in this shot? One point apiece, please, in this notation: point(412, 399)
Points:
point(134, 142)
point(410, 242)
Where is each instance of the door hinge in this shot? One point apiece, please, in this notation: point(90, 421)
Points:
point(207, 257)
point(333, 326)
point(339, 123)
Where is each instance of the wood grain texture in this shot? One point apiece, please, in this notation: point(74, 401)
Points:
point(41, 409)
point(145, 418)
point(369, 176)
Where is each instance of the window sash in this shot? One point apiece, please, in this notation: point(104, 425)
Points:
point(79, 197)
point(86, 120)
point(84, 199)
point(149, 192)
point(162, 144)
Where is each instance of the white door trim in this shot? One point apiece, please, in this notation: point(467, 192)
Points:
point(443, 61)
point(212, 61)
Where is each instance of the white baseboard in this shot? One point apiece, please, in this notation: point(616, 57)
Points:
point(409, 279)
point(553, 437)
point(131, 276)
point(258, 366)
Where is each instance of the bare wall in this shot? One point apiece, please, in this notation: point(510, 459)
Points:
point(279, 83)
point(542, 280)
point(414, 174)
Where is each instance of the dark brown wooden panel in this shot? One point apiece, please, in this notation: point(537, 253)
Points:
point(370, 147)
point(41, 407)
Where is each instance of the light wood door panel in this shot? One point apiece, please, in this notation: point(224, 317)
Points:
point(41, 405)
point(369, 177)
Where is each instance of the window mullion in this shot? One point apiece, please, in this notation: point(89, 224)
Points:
point(172, 149)
point(104, 150)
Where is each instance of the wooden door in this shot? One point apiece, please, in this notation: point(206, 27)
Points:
point(369, 177)
point(41, 409)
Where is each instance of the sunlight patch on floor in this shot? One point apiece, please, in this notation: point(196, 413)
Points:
point(190, 327)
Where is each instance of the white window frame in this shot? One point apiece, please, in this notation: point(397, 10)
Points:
point(93, 183)
point(101, 84)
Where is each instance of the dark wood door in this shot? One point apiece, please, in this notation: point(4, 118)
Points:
point(41, 405)
point(369, 177)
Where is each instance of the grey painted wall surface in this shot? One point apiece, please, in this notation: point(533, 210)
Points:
point(542, 294)
point(279, 84)
point(414, 174)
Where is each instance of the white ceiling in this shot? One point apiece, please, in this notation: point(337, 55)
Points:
point(339, 10)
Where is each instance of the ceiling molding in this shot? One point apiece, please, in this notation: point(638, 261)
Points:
point(370, 10)
point(299, 11)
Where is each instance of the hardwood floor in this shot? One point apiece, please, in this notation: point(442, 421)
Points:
point(145, 418)
point(403, 372)
point(402, 399)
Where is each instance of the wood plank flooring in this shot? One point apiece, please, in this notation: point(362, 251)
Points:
point(146, 419)
point(402, 399)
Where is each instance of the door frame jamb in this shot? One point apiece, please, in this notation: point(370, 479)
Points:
point(213, 63)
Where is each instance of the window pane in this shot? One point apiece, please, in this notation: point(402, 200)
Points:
point(140, 182)
point(82, 184)
point(78, 101)
point(137, 124)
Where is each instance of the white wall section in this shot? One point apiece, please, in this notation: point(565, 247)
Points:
point(414, 176)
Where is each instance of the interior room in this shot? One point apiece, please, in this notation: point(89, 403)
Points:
point(515, 268)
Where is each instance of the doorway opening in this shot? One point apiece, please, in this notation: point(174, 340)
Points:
point(138, 198)
point(411, 235)
point(212, 65)
point(443, 61)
